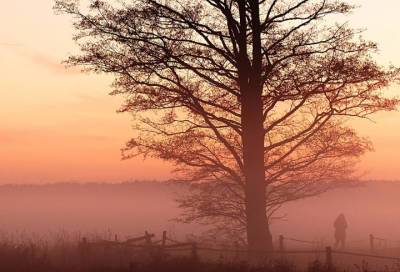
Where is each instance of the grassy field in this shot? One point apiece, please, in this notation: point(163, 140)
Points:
point(65, 255)
point(41, 227)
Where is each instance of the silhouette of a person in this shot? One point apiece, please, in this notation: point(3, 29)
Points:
point(340, 231)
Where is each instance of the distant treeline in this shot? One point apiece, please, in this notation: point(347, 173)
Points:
point(136, 184)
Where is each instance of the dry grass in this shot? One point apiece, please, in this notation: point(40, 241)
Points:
point(60, 252)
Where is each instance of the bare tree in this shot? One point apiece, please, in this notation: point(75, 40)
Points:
point(244, 91)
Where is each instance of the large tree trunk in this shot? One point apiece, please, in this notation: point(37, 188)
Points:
point(258, 233)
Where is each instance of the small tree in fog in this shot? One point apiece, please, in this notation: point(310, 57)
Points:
point(247, 96)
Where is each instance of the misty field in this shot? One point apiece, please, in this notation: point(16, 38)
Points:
point(253, 117)
point(42, 229)
point(67, 254)
point(128, 209)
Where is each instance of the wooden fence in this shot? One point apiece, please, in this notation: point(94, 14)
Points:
point(373, 242)
point(160, 248)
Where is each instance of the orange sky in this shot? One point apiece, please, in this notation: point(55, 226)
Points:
point(59, 125)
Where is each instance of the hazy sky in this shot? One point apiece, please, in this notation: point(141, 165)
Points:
point(60, 125)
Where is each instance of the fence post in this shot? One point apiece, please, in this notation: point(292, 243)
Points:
point(372, 242)
point(329, 261)
point(163, 243)
point(281, 243)
point(148, 243)
point(148, 238)
point(164, 238)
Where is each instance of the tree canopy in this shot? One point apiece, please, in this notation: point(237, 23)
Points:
point(238, 94)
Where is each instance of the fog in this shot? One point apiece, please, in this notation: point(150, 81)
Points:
point(373, 208)
point(130, 209)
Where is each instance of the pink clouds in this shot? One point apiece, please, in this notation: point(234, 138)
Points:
point(41, 59)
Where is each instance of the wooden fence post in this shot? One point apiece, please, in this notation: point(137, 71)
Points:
point(329, 261)
point(164, 238)
point(147, 238)
point(161, 251)
point(148, 243)
point(372, 242)
point(281, 243)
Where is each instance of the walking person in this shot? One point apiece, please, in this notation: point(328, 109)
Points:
point(340, 226)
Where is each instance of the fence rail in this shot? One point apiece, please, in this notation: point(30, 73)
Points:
point(166, 244)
